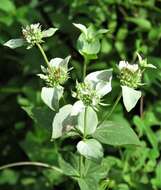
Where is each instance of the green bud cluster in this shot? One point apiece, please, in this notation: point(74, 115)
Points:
point(87, 95)
point(130, 78)
point(33, 34)
point(54, 76)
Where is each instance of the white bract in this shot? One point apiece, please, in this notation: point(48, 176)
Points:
point(130, 97)
point(54, 77)
point(51, 96)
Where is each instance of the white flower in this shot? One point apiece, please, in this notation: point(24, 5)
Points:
point(125, 65)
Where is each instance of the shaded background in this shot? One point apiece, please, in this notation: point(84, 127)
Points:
point(25, 123)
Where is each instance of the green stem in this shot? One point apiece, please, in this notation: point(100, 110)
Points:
point(85, 118)
point(44, 55)
point(113, 108)
point(86, 61)
point(39, 164)
point(81, 165)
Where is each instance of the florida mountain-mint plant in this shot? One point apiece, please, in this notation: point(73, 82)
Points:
point(81, 118)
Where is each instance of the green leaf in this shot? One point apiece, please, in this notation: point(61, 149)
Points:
point(141, 22)
point(122, 186)
point(7, 6)
point(130, 97)
point(51, 96)
point(86, 47)
point(91, 121)
point(67, 168)
point(146, 129)
point(14, 43)
point(62, 121)
point(87, 183)
point(157, 180)
point(50, 32)
point(91, 149)
point(8, 177)
point(113, 133)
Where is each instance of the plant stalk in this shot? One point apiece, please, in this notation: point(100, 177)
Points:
point(38, 164)
point(86, 61)
point(44, 55)
point(81, 159)
point(85, 118)
point(113, 108)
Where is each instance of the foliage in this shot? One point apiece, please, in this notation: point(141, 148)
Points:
point(110, 31)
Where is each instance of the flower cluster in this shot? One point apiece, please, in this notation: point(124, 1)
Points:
point(130, 75)
point(87, 94)
point(54, 76)
point(57, 72)
point(91, 91)
point(33, 34)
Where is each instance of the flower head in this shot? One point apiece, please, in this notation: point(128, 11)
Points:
point(130, 75)
point(87, 94)
point(91, 91)
point(57, 74)
point(33, 34)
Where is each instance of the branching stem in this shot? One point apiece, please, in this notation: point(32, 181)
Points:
point(107, 115)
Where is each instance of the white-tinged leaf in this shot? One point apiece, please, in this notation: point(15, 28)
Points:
point(77, 108)
point(81, 27)
point(62, 121)
point(130, 97)
point(101, 81)
point(59, 62)
point(91, 149)
point(51, 96)
point(15, 43)
point(116, 134)
point(49, 32)
point(151, 66)
point(64, 62)
point(55, 62)
point(91, 121)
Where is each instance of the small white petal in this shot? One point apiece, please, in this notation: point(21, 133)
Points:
point(122, 64)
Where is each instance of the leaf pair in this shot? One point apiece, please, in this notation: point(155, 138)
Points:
point(88, 43)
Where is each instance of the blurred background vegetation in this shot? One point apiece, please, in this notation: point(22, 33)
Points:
point(134, 25)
